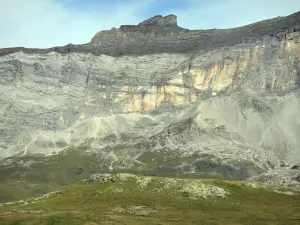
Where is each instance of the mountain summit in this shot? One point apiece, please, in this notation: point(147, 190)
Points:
point(167, 21)
point(162, 35)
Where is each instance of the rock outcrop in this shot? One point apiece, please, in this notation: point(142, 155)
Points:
point(192, 189)
point(160, 21)
point(230, 93)
point(109, 178)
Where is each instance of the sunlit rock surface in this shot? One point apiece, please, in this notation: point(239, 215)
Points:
point(232, 94)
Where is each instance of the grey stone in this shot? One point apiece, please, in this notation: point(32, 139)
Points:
point(109, 178)
point(78, 95)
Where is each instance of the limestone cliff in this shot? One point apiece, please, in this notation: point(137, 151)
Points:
point(132, 86)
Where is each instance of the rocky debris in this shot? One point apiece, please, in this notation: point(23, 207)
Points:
point(140, 210)
point(285, 192)
point(118, 190)
point(194, 189)
point(273, 187)
point(48, 195)
point(41, 198)
point(13, 203)
point(111, 189)
point(109, 178)
point(135, 210)
point(27, 211)
point(279, 176)
point(169, 183)
point(119, 209)
point(255, 185)
point(143, 182)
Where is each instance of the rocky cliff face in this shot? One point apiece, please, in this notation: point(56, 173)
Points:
point(155, 87)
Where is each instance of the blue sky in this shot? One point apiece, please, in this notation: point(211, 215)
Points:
point(48, 23)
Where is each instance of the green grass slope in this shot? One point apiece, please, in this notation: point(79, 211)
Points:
point(147, 200)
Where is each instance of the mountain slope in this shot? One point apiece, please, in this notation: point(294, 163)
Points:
point(153, 99)
point(128, 199)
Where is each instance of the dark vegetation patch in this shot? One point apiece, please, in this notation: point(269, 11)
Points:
point(46, 175)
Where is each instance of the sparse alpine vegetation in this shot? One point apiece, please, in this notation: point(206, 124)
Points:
point(130, 199)
point(193, 189)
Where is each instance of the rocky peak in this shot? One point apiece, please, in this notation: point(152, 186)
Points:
point(154, 23)
point(162, 34)
point(167, 21)
point(136, 33)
